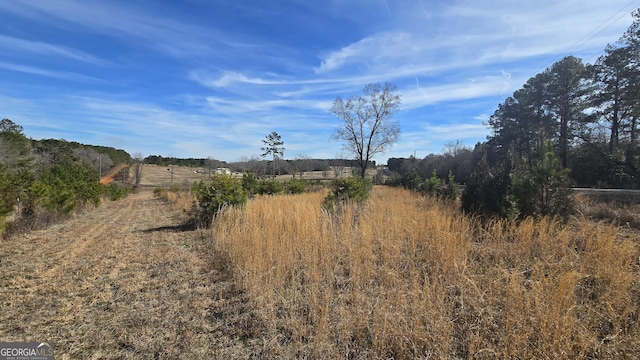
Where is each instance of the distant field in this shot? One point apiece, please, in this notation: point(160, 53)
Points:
point(155, 175)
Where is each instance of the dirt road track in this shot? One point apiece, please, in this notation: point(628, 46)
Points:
point(125, 280)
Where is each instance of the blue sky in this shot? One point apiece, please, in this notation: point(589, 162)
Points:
point(199, 78)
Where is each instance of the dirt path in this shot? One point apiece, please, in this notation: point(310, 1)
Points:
point(123, 281)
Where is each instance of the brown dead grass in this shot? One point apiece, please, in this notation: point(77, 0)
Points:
point(407, 277)
point(400, 277)
point(183, 177)
point(620, 209)
point(124, 281)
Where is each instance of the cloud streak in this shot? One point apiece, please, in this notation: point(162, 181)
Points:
point(63, 75)
point(213, 79)
point(40, 48)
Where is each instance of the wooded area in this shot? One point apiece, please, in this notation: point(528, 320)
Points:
point(588, 111)
point(47, 179)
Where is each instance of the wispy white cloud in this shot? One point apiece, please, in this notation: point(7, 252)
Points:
point(370, 50)
point(216, 84)
point(455, 91)
point(229, 78)
point(64, 75)
point(12, 44)
point(464, 35)
point(132, 21)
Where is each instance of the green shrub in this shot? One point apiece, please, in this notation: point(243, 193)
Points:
point(432, 185)
point(250, 183)
point(353, 189)
point(487, 190)
point(114, 191)
point(448, 191)
point(222, 190)
point(63, 187)
point(295, 186)
point(544, 187)
point(269, 187)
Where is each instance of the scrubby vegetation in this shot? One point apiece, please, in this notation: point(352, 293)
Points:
point(222, 190)
point(347, 190)
point(433, 186)
point(47, 180)
point(409, 277)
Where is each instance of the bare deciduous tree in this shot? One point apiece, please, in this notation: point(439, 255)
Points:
point(368, 128)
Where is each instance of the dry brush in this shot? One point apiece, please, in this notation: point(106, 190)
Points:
point(406, 277)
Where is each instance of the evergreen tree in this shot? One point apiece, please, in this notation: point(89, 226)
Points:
point(544, 188)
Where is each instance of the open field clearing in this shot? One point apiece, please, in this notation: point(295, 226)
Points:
point(407, 277)
point(402, 276)
point(123, 281)
point(184, 177)
point(155, 175)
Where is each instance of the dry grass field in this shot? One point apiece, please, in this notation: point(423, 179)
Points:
point(155, 175)
point(407, 277)
point(401, 276)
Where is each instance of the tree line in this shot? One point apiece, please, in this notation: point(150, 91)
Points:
point(573, 124)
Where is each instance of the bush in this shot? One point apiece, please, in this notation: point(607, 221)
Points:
point(62, 188)
point(114, 191)
point(543, 188)
point(539, 188)
point(487, 190)
point(250, 183)
point(223, 190)
point(433, 186)
point(448, 191)
point(352, 189)
point(269, 187)
point(295, 186)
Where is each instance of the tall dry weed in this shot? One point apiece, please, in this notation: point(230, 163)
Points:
point(408, 277)
point(180, 200)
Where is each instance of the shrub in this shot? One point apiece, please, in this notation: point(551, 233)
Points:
point(448, 191)
point(269, 187)
point(544, 187)
point(222, 190)
point(487, 191)
point(250, 183)
point(62, 188)
point(433, 186)
point(114, 191)
point(295, 186)
point(351, 189)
